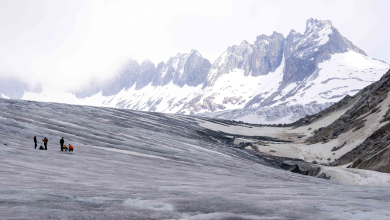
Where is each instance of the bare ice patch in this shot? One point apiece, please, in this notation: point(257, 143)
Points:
point(148, 204)
point(129, 152)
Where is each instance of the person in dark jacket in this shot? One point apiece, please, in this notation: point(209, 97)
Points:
point(45, 140)
point(35, 141)
point(62, 143)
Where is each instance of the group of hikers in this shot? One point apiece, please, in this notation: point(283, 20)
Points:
point(45, 141)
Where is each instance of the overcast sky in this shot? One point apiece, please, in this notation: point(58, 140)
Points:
point(65, 43)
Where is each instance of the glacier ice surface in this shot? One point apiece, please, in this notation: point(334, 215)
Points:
point(199, 178)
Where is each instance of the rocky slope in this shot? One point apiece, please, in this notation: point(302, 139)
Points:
point(317, 67)
point(370, 111)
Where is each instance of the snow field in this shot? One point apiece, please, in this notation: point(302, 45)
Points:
point(345, 73)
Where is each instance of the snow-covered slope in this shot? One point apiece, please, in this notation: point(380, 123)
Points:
point(344, 73)
point(146, 165)
point(317, 67)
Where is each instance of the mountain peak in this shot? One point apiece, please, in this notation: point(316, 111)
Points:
point(244, 43)
point(147, 62)
point(314, 24)
point(193, 51)
point(131, 62)
point(262, 37)
point(276, 34)
point(292, 31)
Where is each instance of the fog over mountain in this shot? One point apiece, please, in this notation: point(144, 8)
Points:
point(64, 44)
point(15, 88)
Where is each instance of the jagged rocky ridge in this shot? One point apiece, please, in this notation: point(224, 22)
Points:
point(302, 52)
point(317, 67)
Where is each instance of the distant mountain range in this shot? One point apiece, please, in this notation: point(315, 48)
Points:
point(311, 70)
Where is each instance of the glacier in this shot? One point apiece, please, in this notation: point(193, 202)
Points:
point(148, 165)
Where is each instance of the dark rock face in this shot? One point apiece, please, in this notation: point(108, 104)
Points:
point(244, 145)
point(260, 58)
point(147, 72)
point(267, 54)
point(297, 69)
point(339, 147)
point(193, 72)
point(183, 69)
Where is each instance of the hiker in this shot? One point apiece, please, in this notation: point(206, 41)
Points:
point(41, 148)
point(70, 148)
point(45, 140)
point(62, 142)
point(64, 148)
point(35, 141)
